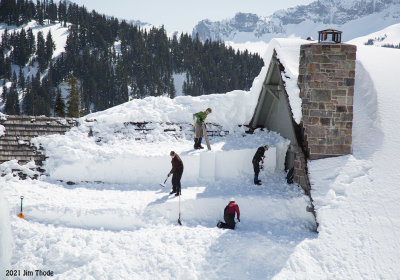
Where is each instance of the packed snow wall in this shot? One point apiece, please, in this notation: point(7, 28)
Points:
point(5, 234)
point(203, 165)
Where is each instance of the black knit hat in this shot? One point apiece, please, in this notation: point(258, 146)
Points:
point(209, 110)
point(172, 153)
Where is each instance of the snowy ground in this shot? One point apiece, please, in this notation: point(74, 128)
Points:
point(357, 196)
point(127, 231)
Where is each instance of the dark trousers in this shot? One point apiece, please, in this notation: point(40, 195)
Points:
point(229, 221)
point(256, 166)
point(176, 181)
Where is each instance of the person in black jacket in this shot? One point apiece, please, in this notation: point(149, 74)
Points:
point(176, 171)
point(258, 156)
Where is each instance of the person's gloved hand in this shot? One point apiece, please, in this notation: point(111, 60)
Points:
point(238, 220)
point(169, 174)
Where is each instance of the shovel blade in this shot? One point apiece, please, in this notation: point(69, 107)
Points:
point(179, 222)
point(162, 185)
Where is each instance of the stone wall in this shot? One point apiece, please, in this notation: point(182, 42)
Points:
point(19, 130)
point(326, 81)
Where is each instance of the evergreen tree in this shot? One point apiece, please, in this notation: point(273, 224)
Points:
point(73, 104)
point(31, 42)
point(7, 69)
point(2, 63)
point(5, 40)
point(4, 93)
point(11, 106)
point(52, 12)
point(14, 79)
point(62, 13)
point(41, 52)
point(28, 101)
point(50, 46)
point(59, 109)
point(20, 51)
point(39, 12)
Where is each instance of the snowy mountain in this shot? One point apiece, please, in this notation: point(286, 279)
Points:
point(388, 37)
point(354, 17)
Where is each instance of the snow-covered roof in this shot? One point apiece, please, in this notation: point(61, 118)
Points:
point(229, 109)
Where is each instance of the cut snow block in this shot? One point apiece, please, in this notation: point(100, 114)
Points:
point(207, 166)
point(191, 171)
point(270, 160)
point(229, 164)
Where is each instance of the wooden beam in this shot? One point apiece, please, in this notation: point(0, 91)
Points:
point(273, 90)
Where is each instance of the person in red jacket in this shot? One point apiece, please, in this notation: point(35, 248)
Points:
point(229, 215)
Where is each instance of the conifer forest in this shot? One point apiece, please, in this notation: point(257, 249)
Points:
point(106, 61)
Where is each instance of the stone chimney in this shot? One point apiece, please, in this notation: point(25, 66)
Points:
point(326, 82)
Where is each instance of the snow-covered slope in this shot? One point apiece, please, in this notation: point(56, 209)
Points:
point(389, 36)
point(354, 17)
point(356, 197)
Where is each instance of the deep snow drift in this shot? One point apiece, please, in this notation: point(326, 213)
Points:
point(356, 196)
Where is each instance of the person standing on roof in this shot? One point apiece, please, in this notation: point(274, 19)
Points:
point(198, 128)
point(229, 215)
point(258, 156)
point(176, 171)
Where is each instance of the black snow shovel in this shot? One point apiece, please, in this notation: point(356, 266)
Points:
point(163, 184)
point(21, 215)
point(179, 219)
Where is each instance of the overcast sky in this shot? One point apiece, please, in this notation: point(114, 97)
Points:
point(183, 15)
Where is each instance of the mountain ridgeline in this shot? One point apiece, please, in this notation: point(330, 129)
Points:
point(106, 61)
point(319, 14)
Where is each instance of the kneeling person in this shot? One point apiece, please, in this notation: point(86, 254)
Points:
point(229, 215)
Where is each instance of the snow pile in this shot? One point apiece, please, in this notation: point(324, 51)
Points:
point(12, 168)
point(118, 157)
point(288, 53)
point(5, 233)
point(356, 196)
point(2, 130)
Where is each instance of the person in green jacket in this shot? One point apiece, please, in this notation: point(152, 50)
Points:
point(198, 132)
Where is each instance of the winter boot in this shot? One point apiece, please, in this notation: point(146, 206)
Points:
point(256, 181)
point(199, 144)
